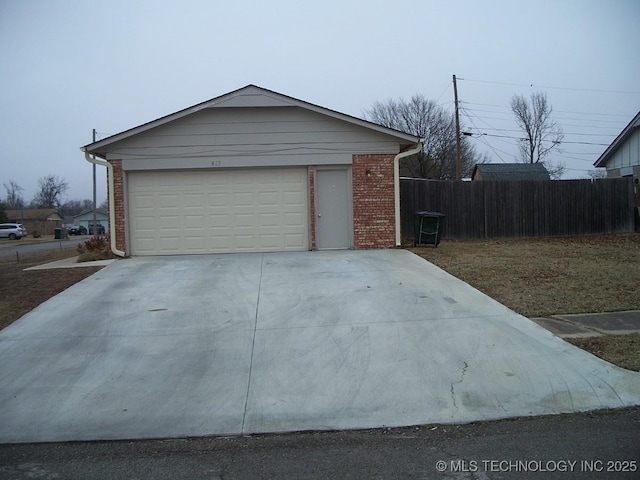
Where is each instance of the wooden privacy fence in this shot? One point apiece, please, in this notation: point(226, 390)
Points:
point(530, 208)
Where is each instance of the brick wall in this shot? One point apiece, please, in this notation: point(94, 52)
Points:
point(373, 201)
point(118, 186)
point(312, 207)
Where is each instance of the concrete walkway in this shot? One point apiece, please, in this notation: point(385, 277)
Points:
point(71, 262)
point(592, 324)
point(253, 343)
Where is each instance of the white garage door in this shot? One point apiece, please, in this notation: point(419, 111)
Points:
point(219, 211)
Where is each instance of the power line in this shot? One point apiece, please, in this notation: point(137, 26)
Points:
point(559, 143)
point(442, 94)
point(494, 150)
point(619, 123)
point(560, 111)
point(554, 88)
point(595, 155)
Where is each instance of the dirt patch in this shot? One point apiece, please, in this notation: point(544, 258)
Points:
point(21, 292)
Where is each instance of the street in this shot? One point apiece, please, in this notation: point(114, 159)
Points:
point(588, 445)
point(8, 248)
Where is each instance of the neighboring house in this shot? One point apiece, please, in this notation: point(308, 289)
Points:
point(85, 218)
point(254, 171)
point(37, 221)
point(510, 171)
point(622, 157)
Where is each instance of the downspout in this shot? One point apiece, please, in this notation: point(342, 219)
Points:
point(396, 184)
point(112, 201)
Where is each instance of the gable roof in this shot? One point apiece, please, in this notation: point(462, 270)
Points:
point(619, 140)
point(30, 214)
point(90, 210)
point(511, 171)
point(249, 96)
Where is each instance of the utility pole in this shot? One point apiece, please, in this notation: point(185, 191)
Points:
point(95, 220)
point(458, 155)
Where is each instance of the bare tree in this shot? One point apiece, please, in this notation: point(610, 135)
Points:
point(52, 188)
point(74, 207)
point(542, 133)
point(597, 174)
point(14, 198)
point(423, 118)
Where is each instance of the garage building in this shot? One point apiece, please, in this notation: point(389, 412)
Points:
point(253, 171)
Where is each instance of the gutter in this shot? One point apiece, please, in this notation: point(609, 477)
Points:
point(396, 184)
point(112, 201)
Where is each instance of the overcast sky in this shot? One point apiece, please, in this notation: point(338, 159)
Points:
point(69, 66)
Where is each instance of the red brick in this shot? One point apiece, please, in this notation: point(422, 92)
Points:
point(118, 187)
point(373, 201)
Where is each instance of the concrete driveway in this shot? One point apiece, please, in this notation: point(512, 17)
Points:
point(251, 343)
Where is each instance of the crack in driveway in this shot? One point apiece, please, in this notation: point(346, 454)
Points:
point(453, 384)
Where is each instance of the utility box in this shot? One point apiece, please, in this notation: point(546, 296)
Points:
point(427, 228)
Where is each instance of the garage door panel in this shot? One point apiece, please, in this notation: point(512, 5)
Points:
point(268, 198)
point(269, 220)
point(245, 199)
point(219, 244)
point(246, 242)
point(168, 201)
point(293, 199)
point(220, 220)
point(294, 241)
point(168, 222)
point(144, 201)
point(219, 199)
point(195, 244)
point(194, 222)
point(293, 219)
point(245, 220)
point(270, 241)
point(194, 200)
point(218, 211)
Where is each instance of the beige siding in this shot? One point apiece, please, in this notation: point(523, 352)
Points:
point(628, 154)
point(245, 137)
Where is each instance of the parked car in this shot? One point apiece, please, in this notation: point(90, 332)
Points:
point(99, 229)
point(12, 231)
point(77, 230)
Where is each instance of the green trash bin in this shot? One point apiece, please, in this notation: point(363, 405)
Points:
point(57, 233)
point(427, 228)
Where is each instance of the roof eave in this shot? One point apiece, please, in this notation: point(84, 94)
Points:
point(606, 155)
point(94, 148)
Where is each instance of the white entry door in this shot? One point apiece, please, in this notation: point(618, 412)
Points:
point(333, 209)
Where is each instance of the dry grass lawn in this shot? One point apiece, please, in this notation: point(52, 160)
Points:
point(21, 292)
point(542, 277)
point(621, 350)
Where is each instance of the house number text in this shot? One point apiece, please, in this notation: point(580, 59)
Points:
point(216, 163)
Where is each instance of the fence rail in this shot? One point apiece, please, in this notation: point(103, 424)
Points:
point(530, 208)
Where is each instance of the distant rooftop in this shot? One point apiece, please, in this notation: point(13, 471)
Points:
point(510, 171)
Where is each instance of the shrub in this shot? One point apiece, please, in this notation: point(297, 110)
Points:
point(96, 248)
